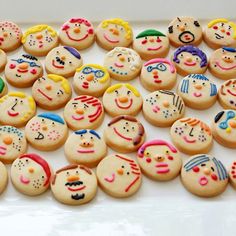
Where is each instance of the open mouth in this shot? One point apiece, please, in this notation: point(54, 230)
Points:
point(85, 151)
point(77, 118)
point(154, 49)
point(162, 168)
point(40, 136)
point(225, 68)
point(124, 107)
point(110, 179)
point(219, 36)
point(44, 94)
point(190, 64)
point(57, 66)
point(197, 94)
point(2, 150)
point(118, 65)
point(24, 180)
point(12, 113)
point(203, 181)
point(74, 39)
point(121, 135)
point(110, 40)
point(189, 140)
point(230, 92)
point(186, 37)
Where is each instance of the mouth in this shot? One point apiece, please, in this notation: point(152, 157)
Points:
point(225, 68)
point(154, 49)
point(40, 136)
point(22, 71)
point(124, 107)
point(230, 92)
point(163, 168)
point(85, 85)
point(218, 36)
point(203, 181)
point(186, 37)
point(74, 39)
point(118, 65)
point(44, 94)
point(156, 109)
point(78, 196)
point(57, 66)
point(13, 114)
point(197, 94)
point(110, 179)
point(157, 81)
point(110, 40)
point(72, 186)
point(77, 118)
point(85, 151)
point(189, 140)
point(24, 180)
point(2, 150)
point(190, 64)
point(121, 135)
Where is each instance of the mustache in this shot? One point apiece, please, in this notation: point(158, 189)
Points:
point(75, 183)
point(78, 196)
point(60, 61)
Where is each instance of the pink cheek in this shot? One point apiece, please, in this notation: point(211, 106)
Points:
point(12, 66)
point(196, 169)
point(144, 41)
point(228, 33)
point(215, 27)
point(148, 160)
point(214, 177)
point(170, 158)
point(159, 40)
point(90, 31)
point(33, 71)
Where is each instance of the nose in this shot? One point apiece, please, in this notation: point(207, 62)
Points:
point(227, 59)
point(90, 77)
point(76, 30)
point(63, 58)
point(182, 28)
point(86, 143)
point(115, 31)
point(39, 36)
point(7, 140)
point(23, 66)
point(151, 40)
point(123, 99)
point(44, 128)
point(232, 124)
point(31, 170)
point(79, 111)
point(206, 171)
point(120, 171)
point(48, 87)
point(5, 34)
point(222, 30)
point(155, 72)
point(72, 178)
point(198, 86)
point(189, 59)
point(122, 58)
point(159, 158)
point(166, 104)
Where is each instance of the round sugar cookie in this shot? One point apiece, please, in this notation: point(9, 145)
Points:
point(204, 176)
point(119, 175)
point(3, 177)
point(3, 60)
point(232, 174)
point(3, 87)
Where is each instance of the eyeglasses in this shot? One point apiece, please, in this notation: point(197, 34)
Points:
point(32, 64)
point(224, 124)
point(159, 66)
point(89, 70)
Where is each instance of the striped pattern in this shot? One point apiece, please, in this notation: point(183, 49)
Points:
point(196, 161)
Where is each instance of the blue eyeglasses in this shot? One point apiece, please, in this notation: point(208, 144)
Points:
point(20, 60)
point(224, 124)
point(89, 70)
point(159, 66)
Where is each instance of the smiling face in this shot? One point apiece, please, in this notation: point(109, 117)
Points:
point(84, 112)
point(74, 185)
point(30, 174)
point(63, 61)
point(91, 79)
point(191, 136)
point(163, 108)
point(227, 94)
point(122, 99)
point(85, 147)
point(158, 74)
point(204, 176)
point(77, 33)
point(119, 175)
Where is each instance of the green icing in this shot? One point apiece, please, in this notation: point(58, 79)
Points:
point(150, 32)
point(2, 85)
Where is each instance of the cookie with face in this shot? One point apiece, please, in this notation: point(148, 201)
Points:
point(224, 128)
point(10, 36)
point(21, 72)
point(227, 94)
point(91, 79)
point(197, 91)
point(232, 174)
point(204, 176)
point(119, 175)
point(12, 143)
point(162, 108)
point(3, 60)
point(31, 174)
point(190, 60)
point(3, 87)
point(113, 33)
point(158, 73)
point(220, 32)
point(222, 63)
point(159, 160)
point(3, 177)
point(74, 185)
point(39, 40)
point(151, 43)
point(63, 61)
point(46, 131)
point(17, 108)
point(77, 33)
point(184, 30)
point(122, 99)
point(84, 112)
point(124, 134)
point(85, 147)
point(123, 63)
point(191, 136)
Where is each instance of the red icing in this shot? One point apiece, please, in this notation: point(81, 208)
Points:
point(124, 107)
point(121, 135)
point(214, 177)
point(131, 184)
point(170, 158)
point(33, 71)
point(148, 160)
point(234, 176)
point(196, 169)
point(215, 27)
point(228, 33)
point(12, 66)
point(144, 41)
point(158, 40)
point(232, 172)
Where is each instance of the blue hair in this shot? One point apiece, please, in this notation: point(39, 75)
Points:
point(84, 131)
point(228, 49)
point(52, 116)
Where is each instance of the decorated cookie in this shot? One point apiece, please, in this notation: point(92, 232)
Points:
point(191, 136)
point(122, 99)
point(124, 134)
point(114, 33)
point(232, 174)
point(123, 63)
point(197, 91)
point(74, 185)
point(222, 63)
point(39, 40)
point(151, 44)
point(63, 60)
point(10, 36)
point(91, 79)
point(162, 108)
point(158, 73)
point(85, 147)
point(119, 175)
point(77, 33)
point(22, 71)
point(204, 176)
point(51, 92)
point(184, 30)
point(227, 94)
point(46, 131)
point(3, 87)
point(224, 128)
point(84, 112)
point(17, 108)
point(190, 60)
point(3, 177)
point(3, 60)
point(31, 174)
point(220, 32)
point(12, 143)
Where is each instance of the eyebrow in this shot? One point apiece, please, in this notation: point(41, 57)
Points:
point(74, 103)
point(84, 131)
point(94, 133)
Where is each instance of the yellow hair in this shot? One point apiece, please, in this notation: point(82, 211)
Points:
point(64, 83)
point(17, 94)
point(38, 28)
point(128, 86)
point(121, 22)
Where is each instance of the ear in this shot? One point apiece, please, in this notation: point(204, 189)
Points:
point(196, 23)
point(170, 29)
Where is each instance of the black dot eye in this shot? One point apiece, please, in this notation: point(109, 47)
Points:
point(203, 164)
point(185, 24)
point(16, 99)
point(194, 81)
point(146, 38)
point(91, 138)
point(42, 177)
point(177, 26)
point(81, 136)
point(181, 55)
point(27, 160)
point(129, 59)
point(116, 91)
point(123, 167)
point(70, 62)
point(203, 84)
point(127, 173)
point(77, 172)
point(67, 173)
point(212, 169)
point(132, 128)
point(53, 123)
point(128, 92)
point(57, 52)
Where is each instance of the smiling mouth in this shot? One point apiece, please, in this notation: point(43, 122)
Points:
point(77, 118)
point(118, 65)
point(163, 168)
point(57, 66)
point(230, 92)
point(189, 140)
point(154, 49)
point(190, 64)
point(77, 40)
point(110, 40)
point(197, 94)
point(225, 68)
point(10, 113)
point(2, 150)
point(203, 181)
point(24, 180)
point(44, 94)
point(218, 36)
point(70, 185)
point(22, 71)
point(121, 135)
point(124, 107)
point(40, 136)
point(110, 179)
point(85, 151)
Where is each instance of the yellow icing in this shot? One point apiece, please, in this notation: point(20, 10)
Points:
point(228, 130)
point(128, 86)
point(113, 88)
point(64, 83)
point(17, 94)
point(118, 21)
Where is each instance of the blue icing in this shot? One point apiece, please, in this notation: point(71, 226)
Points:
point(228, 49)
point(84, 131)
point(11, 129)
point(79, 132)
point(52, 116)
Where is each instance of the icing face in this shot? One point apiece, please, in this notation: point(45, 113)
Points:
point(119, 175)
point(227, 94)
point(123, 63)
point(63, 61)
point(122, 99)
point(163, 107)
point(114, 33)
point(46, 130)
point(78, 33)
point(3, 87)
point(91, 79)
point(191, 134)
point(84, 112)
point(23, 71)
point(10, 35)
point(74, 185)
point(3, 59)
point(17, 109)
point(185, 30)
point(158, 74)
point(30, 174)
point(204, 175)
point(159, 160)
